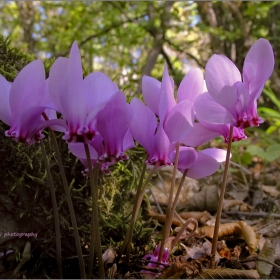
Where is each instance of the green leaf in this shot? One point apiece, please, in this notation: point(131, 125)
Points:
point(272, 152)
point(272, 97)
point(256, 151)
point(268, 112)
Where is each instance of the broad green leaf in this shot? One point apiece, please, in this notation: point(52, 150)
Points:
point(256, 151)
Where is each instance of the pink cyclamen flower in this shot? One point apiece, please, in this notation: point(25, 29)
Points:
point(23, 102)
point(78, 100)
point(231, 99)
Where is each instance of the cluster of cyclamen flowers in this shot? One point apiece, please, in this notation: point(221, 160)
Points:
point(95, 111)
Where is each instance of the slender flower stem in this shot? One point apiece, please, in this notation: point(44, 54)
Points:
point(70, 206)
point(169, 215)
point(95, 229)
point(55, 211)
point(123, 247)
point(137, 204)
point(220, 205)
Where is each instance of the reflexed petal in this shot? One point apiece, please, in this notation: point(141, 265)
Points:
point(143, 125)
point(218, 154)
point(179, 121)
point(27, 88)
point(219, 72)
point(162, 147)
point(98, 144)
point(261, 58)
point(208, 110)
point(78, 150)
point(151, 93)
point(73, 99)
point(128, 141)
point(112, 123)
point(200, 135)
point(98, 89)
point(228, 98)
point(187, 157)
point(167, 100)
point(204, 166)
point(191, 85)
point(56, 80)
point(5, 111)
point(51, 114)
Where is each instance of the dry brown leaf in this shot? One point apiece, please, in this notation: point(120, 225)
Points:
point(227, 273)
point(267, 253)
point(227, 229)
point(230, 203)
point(249, 236)
point(201, 217)
point(271, 190)
point(205, 200)
point(162, 218)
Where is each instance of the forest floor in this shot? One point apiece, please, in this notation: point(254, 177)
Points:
point(249, 237)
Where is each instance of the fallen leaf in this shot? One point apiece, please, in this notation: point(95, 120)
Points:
point(271, 190)
point(249, 236)
point(227, 229)
point(227, 273)
point(201, 217)
point(267, 253)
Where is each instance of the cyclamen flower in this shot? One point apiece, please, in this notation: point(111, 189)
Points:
point(78, 100)
point(230, 99)
point(175, 120)
point(23, 102)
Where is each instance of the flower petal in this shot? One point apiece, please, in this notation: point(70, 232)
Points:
point(204, 166)
point(5, 111)
point(199, 135)
point(112, 123)
point(167, 100)
point(208, 110)
point(151, 93)
point(218, 154)
point(78, 150)
point(191, 85)
point(98, 89)
point(219, 72)
point(179, 121)
point(28, 88)
point(128, 141)
point(187, 157)
point(143, 125)
point(261, 58)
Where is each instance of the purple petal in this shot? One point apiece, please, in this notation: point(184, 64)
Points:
point(218, 154)
point(191, 85)
point(27, 127)
point(162, 148)
point(128, 141)
point(98, 89)
point(5, 111)
point(200, 135)
point(78, 150)
point(208, 110)
point(143, 125)
point(179, 121)
point(57, 81)
point(73, 100)
point(204, 166)
point(112, 123)
point(260, 58)
point(187, 157)
point(219, 72)
point(228, 98)
point(151, 93)
point(27, 88)
point(167, 100)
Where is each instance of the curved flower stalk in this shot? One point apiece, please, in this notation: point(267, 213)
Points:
point(78, 100)
point(232, 99)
